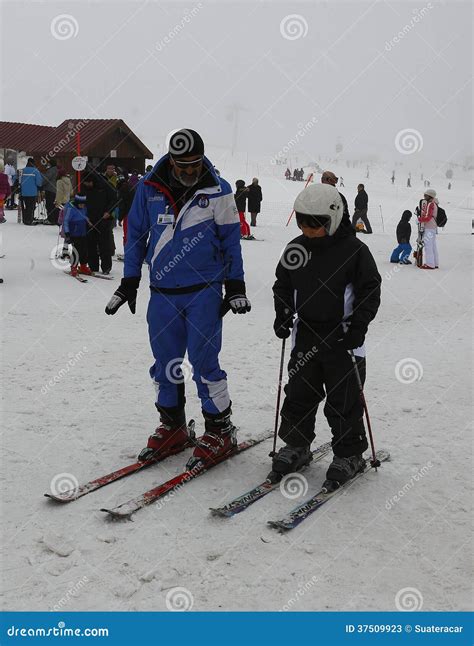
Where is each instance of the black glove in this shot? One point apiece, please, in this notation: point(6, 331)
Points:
point(126, 293)
point(67, 238)
point(235, 298)
point(353, 338)
point(283, 323)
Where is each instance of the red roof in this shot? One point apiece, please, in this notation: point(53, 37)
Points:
point(91, 131)
point(44, 139)
point(18, 136)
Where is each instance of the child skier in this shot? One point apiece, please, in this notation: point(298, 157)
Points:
point(240, 196)
point(75, 232)
point(333, 289)
point(401, 253)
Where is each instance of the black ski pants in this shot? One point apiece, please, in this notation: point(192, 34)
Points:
point(99, 246)
point(80, 256)
point(314, 376)
point(29, 205)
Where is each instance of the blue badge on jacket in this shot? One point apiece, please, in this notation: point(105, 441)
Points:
point(203, 201)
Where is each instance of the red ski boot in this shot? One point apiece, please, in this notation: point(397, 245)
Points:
point(219, 439)
point(171, 435)
point(85, 269)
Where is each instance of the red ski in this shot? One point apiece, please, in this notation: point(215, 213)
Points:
point(88, 487)
point(126, 509)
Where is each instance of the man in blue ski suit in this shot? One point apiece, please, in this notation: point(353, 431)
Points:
point(184, 223)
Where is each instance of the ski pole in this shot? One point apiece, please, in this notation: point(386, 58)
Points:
point(280, 379)
point(310, 177)
point(381, 216)
point(374, 462)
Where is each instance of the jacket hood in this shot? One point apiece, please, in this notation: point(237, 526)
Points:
point(406, 215)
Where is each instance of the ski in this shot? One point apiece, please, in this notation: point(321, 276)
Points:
point(93, 485)
point(419, 246)
point(242, 502)
point(94, 275)
point(127, 509)
point(302, 511)
point(77, 277)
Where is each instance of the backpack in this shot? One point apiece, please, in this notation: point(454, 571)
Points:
point(441, 217)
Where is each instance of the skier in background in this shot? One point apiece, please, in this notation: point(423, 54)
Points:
point(427, 210)
point(5, 191)
point(184, 221)
point(30, 184)
point(329, 323)
point(75, 233)
point(254, 200)
point(328, 177)
point(402, 252)
point(361, 204)
point(240, 196)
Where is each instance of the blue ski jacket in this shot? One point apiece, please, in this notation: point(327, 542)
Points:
point(75, 221)
point(199, 243)
point(31, 181)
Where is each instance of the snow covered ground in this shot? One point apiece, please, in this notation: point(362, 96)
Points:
point(358, 553)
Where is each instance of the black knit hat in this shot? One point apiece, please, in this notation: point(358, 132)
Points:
point(185, 143)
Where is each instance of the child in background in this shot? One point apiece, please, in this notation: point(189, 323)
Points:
point(241, 203)
point(401, 254)
point(75, 232)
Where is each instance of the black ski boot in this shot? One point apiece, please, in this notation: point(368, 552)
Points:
point(343, 469)
point(288, 460)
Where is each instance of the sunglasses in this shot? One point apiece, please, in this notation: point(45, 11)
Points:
point(188, 164)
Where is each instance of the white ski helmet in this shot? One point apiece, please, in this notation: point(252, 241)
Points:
point(323, 200)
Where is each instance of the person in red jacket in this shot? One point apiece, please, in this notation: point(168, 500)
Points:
point(5, 190)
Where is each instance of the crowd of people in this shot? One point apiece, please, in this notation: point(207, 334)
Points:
point(296, 176)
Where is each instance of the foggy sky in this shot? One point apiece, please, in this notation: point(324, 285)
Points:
point(162, 66)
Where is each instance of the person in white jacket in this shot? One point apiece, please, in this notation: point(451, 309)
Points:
point(427, 211)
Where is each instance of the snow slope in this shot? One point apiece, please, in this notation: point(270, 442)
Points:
point(358, 552)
